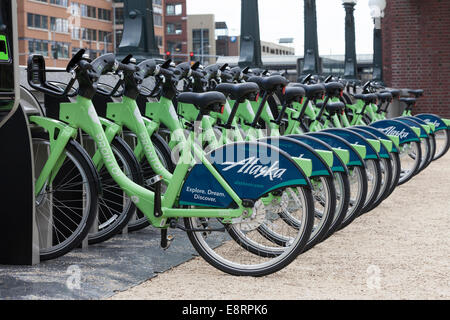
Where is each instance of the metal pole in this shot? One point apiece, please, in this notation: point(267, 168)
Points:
point(311, 60)
point(201, 43)
point(250, 50)
point(138, 31)
point(350, 68)
point(377, 51)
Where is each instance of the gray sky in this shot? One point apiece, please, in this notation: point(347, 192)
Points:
point(284, 19)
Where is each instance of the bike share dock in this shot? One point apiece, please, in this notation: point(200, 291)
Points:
point(85, 273)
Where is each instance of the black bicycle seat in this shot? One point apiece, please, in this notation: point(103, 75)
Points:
point(294, 94)
point(384, 97)
point(333, 89)
point(394, 92)
point(409, 101)
point(269, 84)
point(367, 98)
point(240, 91)
point(205, 102)
point(416, 93)
point(335, 107)
point(312, 91)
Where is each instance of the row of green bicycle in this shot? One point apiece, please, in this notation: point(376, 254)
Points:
point(254, 169)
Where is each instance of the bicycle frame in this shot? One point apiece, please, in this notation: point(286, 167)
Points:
point(82, 115)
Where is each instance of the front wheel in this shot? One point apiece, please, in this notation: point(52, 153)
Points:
point(115, 207)
point(241, 249)
point(67, 205)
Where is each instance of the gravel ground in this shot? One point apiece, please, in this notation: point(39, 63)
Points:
point(400, 250)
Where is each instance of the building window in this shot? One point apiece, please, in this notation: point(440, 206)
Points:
point(37, 21)
point(173, 28)
point(157, 20)
point(159, 41)
point(157, 2)
point(59, 25)
point(119, 15)
point(200, 41)
point(76, 33)
point(83, 10)
point(104, 14)
point(174, 47)
point(104, 36)
point(42, 1)
point(60, 50)
point(89, 34)
point(62, 3)
point(38, 47)
point(174, 9)
point(119, 34)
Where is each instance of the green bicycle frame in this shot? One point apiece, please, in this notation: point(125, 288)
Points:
point(82, 114)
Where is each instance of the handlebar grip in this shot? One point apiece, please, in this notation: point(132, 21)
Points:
point(147, 68)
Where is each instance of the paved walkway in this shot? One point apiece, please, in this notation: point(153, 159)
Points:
point(400, 250)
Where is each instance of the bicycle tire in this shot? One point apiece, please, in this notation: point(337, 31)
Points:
point(356, 204)
point(89, 185)
point(276, 261)
point(441, 151)
point(140, 221)
point(116, 208)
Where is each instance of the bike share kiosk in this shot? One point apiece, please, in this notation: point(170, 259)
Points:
point(18, 233)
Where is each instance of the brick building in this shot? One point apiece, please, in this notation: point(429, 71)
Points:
point(57, 29)
point(416, 50)
point(175, 31)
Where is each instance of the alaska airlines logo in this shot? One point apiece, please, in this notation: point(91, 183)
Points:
point(251, 166)
point(391, 131)
point(435, 122)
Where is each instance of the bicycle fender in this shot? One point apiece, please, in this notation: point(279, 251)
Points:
point(422, 133)
point(437, 121)
point(340, 143)
point(385, 145)
point(251, 170)
point(321, 162)
point(397, 128)
point(383, 137)
point(429, 127)
point(357, 139)
point(53, 127)
point(340, 156)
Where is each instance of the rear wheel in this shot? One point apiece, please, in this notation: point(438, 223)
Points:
point(386, 179)
point(242, 250)
point(342, 186)
point(67, 206)
point(396, 170)
point(324, 195)
point(358, 194)
point(374, 178)
point(442, 143)
point(410, 155)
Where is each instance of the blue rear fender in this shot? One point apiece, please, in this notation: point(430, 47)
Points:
point(301, 150)
point(251, 169)
point(317, 144)
point(397, 128)
point(339, 143)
